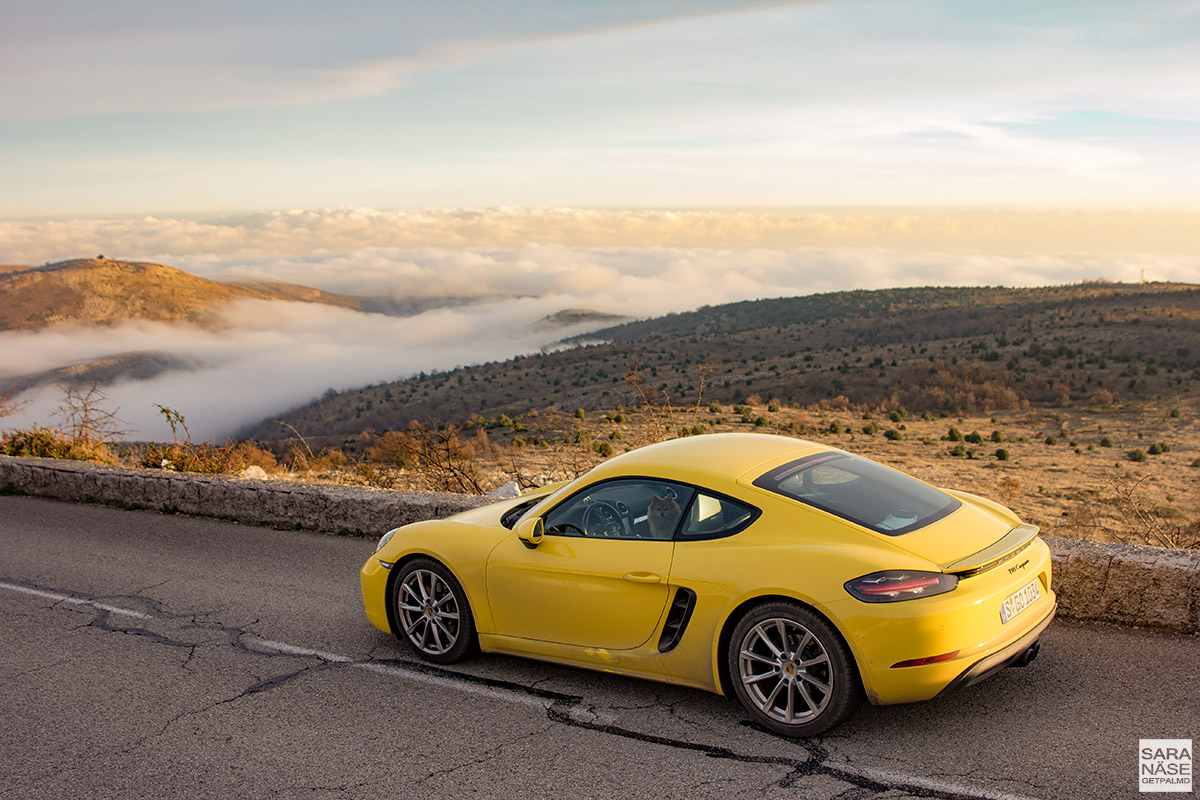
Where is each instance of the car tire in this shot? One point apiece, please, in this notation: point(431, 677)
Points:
point(791, 670)
point(431, 612)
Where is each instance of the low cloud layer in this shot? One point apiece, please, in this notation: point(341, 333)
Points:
point(298, 234)
point(648, 281)
point(277, 355)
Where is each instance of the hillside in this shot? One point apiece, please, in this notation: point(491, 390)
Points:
point(135, 366)
point(99, 291)
point(943, 350)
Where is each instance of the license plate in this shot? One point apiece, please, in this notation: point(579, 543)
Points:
point(1020, 600)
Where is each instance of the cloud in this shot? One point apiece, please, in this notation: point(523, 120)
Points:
point(365, 238)
point(277, 355)
point(61, 59)
point(525, 264)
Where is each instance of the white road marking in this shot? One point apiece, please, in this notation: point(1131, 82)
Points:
point(497, 693)
point(493, 692)
point(77, 601)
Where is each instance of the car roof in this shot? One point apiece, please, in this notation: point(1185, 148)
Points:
point(715, 460)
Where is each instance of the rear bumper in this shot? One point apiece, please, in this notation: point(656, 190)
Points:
point(986, 667)
point(966, 625)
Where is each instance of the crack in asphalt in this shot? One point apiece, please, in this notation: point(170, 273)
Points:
point(560, 708)
point(487, 755)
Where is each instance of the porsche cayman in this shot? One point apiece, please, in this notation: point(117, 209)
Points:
point(795, 576)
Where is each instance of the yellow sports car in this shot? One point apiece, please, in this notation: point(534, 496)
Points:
point(799, 577)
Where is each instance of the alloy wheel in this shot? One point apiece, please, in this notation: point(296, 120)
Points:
point(428, 609)
point(785, 671)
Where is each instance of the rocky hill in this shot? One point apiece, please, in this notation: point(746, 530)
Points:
point(100, 291)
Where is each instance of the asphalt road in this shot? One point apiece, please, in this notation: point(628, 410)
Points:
point(157, 656)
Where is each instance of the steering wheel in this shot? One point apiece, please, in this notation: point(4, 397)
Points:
point(603, 519)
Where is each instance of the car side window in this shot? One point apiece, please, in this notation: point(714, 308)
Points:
point(634, 508)
point(710, 517)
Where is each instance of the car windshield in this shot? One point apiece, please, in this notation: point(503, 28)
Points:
point(862, 491)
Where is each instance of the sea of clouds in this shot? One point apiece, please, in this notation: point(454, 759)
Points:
point(271, 356)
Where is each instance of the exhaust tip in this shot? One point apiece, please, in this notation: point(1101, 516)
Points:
point(1027, 655)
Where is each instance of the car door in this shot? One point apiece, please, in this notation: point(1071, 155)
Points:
point(599, 576)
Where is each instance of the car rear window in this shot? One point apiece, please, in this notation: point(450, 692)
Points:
point(862, 491)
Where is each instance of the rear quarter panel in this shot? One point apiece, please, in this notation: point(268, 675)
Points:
point(795, 556)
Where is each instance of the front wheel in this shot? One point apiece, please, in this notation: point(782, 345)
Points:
point(792, 671)
point(431, 612)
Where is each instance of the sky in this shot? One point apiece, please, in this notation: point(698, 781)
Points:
point(625, 156)
point(136, 107)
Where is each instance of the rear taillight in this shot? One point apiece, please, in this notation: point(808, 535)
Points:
point(893, 585)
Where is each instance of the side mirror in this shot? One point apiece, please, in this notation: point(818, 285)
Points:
point(531, 531)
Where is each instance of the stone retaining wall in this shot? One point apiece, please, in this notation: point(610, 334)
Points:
point(1126, 584)
point(323, 507)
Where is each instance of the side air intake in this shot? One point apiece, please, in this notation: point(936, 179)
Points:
point(677, 619)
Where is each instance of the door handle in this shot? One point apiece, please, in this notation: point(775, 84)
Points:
point(642, 577)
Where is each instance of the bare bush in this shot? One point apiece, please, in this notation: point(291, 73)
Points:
point(9, 406)
point(445, 462)
point(85, 417)
point(1146, 522)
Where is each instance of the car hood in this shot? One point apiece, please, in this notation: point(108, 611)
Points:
point(978, 532)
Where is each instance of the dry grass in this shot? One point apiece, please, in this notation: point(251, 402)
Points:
point(1069, 472)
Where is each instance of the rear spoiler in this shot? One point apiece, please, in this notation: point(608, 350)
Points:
point(1015, 540)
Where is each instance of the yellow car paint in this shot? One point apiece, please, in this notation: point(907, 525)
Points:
point(602, 603)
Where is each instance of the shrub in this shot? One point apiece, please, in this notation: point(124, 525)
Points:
point(893, 435)
point(974, 437)
point(1002, 454)
point(250, 454)
point(35, 443)
point(1051, 440)
point(997, 437)
point(871, 428)
point(1136, 455)
point(836, 426)
point(958, 451)
point(1106, 441)
point(1154, 450)
point(580, 413)
point(603, 448)
point(954, 435)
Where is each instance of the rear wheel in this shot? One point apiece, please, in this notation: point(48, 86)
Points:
point(791, 670)
point(431, 612)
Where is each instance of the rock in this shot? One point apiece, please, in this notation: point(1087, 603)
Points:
point(253, 473)
point(505, 492)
